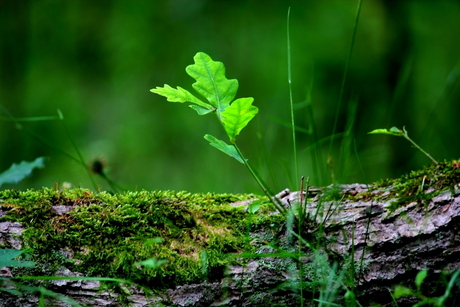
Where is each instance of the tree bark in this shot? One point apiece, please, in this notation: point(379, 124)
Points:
point(388, 247)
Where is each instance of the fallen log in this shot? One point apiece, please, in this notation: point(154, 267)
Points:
point(342, 244)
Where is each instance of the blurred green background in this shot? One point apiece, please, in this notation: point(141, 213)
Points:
point(97, 60)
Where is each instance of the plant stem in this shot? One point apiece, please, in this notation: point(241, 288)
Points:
point(418, 147)
point(272, 198)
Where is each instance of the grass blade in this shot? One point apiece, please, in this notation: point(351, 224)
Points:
point(345, 74)
point(294, 143)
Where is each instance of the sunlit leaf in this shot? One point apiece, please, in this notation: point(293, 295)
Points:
point(237, 116)
point(211, 82)
point(17, 172)
point(393, 131)
point(179, 95)
point(224, 147)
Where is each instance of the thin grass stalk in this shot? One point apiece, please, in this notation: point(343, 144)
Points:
point(291, 101)
point(77, 150)
point(302, 209)
point(345, 148)
point(37, 136)
point(345, 74)
point(315, 153)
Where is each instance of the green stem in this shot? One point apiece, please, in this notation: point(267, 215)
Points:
point(419, 148)
point(272, 198)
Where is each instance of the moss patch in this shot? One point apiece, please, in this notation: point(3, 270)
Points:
point(105, 235)
point(416, 186)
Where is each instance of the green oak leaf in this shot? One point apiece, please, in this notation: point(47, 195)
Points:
point(224, 147)
point(180, 95)
point(237, 116)
point(393, 131)
point(211, 82)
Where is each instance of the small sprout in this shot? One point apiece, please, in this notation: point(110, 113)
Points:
point(218, 93)
point(398, 132)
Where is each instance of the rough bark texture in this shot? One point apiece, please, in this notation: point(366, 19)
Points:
point(392, 244)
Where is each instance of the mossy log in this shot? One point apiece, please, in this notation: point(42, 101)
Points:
point(359, 238)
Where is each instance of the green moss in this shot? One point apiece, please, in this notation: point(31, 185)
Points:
point(108, 233)
point(416, 186)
